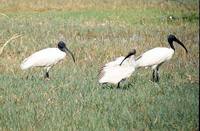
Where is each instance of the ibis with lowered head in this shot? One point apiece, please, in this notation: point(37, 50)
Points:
point(119, 69)
point(46, 58)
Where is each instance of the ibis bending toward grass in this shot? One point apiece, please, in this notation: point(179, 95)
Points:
point(155, 57)
point(119, 69)
point(46, 58)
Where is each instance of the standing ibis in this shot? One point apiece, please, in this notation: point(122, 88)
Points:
point(119, 69)
point(46, 58)
point(155, 57)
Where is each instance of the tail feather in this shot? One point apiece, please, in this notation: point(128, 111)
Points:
point(25, 64)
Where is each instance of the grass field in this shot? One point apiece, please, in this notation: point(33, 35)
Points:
point(97, 32)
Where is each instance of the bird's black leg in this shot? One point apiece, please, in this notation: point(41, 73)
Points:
point(153, 75)
point(157, 72)
point(157, 75)
point(118, 85)
point(46, 75)
point(47, 72)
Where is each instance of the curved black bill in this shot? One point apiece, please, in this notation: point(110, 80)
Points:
point(180, 43)
point(129, 54)
point(67, 50)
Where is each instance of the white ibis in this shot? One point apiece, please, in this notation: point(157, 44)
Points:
point(46, 58)
point(119, 69)
point(155, 57)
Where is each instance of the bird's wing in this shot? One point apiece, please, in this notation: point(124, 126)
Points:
point(109, 75)
point(43, 57)
point(154, 56)
point(113, 71)
point(115, 74)
point(115, 62)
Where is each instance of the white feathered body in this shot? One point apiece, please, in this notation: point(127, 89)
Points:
point(154, 57)
point(46, 57)
point(113, 72)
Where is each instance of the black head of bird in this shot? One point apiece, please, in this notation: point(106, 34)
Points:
point(62, 47)
point(171, 38)
point(132, 52)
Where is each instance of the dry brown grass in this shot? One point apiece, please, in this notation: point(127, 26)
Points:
point(74, 5)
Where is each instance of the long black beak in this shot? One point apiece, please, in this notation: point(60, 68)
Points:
point(180, 43)
point(129, 54)
point(67, 50)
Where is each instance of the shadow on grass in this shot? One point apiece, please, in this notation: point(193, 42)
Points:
point(114, 87)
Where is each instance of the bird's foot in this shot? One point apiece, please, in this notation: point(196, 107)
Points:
point(47, 79)
point(152, 80)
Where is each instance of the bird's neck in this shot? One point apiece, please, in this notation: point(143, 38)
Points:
point(172, 45)
point(62, 49)
point(131, 61)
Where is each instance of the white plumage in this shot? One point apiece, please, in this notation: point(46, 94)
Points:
point(154, 57)
point(46, 58)
point(116, 71)
point(115, 62)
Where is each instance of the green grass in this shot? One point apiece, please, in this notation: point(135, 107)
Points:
point(97, 32)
